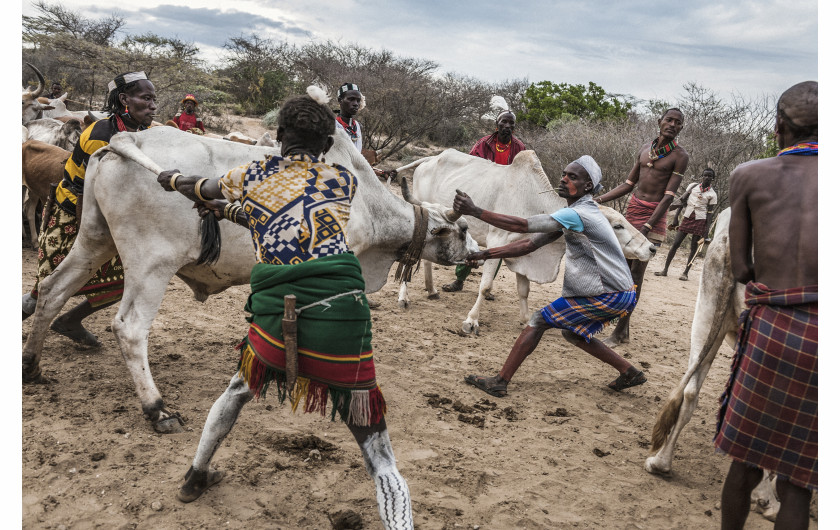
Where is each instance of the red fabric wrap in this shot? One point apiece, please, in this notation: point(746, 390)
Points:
point(768, 413)
point(486, 149)
point(638, 213)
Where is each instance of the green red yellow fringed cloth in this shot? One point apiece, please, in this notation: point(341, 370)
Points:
point(335, 358)
point(805, 148)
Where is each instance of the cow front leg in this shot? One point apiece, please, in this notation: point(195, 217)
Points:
point(144, 290)
point(523, 288)
point(470, 325)
point(660, 463)
point(402, 300)
point(432, 291)
point(53, 292)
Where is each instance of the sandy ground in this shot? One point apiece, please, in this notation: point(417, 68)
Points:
point(530, 460)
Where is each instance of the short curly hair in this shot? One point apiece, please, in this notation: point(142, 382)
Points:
point(309, 119)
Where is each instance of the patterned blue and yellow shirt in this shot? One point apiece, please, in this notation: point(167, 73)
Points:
point(297, 207)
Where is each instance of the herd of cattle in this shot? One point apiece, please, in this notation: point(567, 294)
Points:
point(380, 230)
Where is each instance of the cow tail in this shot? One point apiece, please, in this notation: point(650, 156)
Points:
point(670, 412)
point(211, 240)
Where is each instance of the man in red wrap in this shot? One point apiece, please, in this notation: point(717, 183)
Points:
point(187, 119)
point(658, 172)
point(768, 415)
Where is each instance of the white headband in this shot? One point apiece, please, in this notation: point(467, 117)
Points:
point(128, 78)
point(588, 163)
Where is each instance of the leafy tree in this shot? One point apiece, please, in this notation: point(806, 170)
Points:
point(54, 19)
point(546, 101)
point(256, 72)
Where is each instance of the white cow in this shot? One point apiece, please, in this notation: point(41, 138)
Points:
point(515, 189)
point(59, 110)
point(720, 301)
point(157, 236)
point(32, 107)
point(55, 132)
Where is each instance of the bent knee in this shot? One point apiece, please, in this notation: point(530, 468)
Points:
point(537, 321)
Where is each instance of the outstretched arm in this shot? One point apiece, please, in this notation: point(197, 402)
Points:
point(464, 205)
point(514, 249)
point(624, 188)
point(209, 191)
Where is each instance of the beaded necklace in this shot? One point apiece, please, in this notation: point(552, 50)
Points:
point(656, 154)
point(805, 148)
point(504, 147)
point(350, 128)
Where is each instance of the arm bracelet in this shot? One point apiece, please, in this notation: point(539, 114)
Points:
point(648, 226)
point(231, 211)
point(197, 188)
point(630, 183)
point(173, 181)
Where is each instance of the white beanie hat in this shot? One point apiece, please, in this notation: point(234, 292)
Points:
point(588, 163)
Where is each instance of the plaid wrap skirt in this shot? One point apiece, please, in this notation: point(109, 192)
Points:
point(690, 225)
point(586, 316)
point(768, 413)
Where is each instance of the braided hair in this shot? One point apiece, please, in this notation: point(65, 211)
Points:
point(310, 120)
point(113, 105)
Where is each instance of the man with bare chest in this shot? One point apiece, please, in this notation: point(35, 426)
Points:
point(768, 414)
point(655, 177)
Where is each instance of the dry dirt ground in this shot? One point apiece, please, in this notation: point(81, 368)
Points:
point(561, 451)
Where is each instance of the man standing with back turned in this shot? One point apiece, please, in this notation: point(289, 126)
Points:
point(768, 414)
point(658, 171)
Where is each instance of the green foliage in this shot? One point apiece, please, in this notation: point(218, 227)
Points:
point(546, 101)
point(772, 147)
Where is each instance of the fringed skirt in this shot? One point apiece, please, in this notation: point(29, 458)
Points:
point(335, 358)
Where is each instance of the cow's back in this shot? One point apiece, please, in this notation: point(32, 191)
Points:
point(515, 189)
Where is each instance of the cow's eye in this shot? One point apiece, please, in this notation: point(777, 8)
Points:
point(618, 227)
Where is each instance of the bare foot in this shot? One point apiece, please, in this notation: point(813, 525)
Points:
point(661, 273)
point(75, 332)
point(197, 482)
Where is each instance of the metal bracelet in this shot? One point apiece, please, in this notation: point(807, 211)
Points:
point(173, 180)
point(197, 188)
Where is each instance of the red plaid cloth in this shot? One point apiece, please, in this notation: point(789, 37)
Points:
point(768, 414)
point(638, 213)
point(690, 225)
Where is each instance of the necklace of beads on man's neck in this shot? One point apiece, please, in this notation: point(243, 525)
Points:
point(349, 127)
point(656, 154)
point(502, 147)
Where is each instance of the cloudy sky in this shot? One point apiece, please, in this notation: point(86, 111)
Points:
point(643, 49)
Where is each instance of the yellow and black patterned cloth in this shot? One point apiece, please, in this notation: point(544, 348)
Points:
point(297, 207)
point(94, 138)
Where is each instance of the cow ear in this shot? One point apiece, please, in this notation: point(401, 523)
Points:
point(441, 231)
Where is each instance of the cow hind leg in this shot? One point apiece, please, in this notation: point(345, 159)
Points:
point(144, 290)
point(660, 463)
point(523, 289)
point(470, 325)
point(432, 291)
point(53, 292)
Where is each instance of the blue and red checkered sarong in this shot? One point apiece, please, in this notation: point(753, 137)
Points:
point(586, 316)
point(768, 413)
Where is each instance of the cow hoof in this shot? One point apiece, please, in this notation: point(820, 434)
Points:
point(169, 423)
point(490, 297)
point(653, 466)
point(469, 328)
point(403, 304)
point(434, 296)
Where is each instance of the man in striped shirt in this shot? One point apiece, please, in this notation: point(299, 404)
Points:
point(597, 285)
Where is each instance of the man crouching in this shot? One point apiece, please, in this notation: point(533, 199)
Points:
point(297, 209)
point(597, 285)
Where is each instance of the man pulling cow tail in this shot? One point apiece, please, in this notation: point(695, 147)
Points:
point(299, 234)
point(768, 414)
point(597, 285)
point(656, 178)
point(501, 147)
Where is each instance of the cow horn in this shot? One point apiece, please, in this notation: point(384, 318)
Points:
point(406, 193)
point(452, 215)
point(41, 83)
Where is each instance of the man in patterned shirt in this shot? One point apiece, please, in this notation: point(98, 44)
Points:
point(297, 209)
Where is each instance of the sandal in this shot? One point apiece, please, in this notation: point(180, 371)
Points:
point(490, 384)
point(632, 377)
